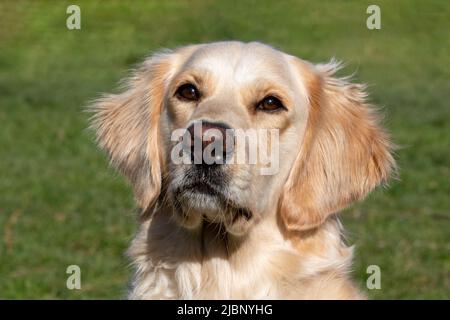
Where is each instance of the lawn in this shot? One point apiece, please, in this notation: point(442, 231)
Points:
point(61, 205)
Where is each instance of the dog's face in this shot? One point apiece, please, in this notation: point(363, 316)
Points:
point(318, 146)
point(244, 90)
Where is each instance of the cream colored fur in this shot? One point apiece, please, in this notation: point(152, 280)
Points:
point(332, 153)
point(174, 263)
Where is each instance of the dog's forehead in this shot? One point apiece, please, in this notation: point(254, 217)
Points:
point(240, 62)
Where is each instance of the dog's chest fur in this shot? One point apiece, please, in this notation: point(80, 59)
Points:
point(174, 263)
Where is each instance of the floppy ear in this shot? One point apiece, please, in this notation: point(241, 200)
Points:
point(344, 154)
point(127, 127)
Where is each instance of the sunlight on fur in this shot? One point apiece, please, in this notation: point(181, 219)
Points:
point(226, 231)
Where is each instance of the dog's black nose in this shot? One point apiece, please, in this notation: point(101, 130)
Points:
point(211, 143)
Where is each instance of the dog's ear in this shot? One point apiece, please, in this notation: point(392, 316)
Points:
point(127, 127)
point(344, 153)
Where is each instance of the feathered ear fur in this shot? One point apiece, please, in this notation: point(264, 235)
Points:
point(344, 155)
point(127, 127)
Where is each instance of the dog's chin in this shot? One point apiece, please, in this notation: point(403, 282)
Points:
point(195, 206)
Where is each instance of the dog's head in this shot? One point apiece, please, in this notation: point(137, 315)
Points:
point(231, 132)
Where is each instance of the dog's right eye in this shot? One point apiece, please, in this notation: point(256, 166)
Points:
point(188, 92)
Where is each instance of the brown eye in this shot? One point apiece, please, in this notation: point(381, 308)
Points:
point(270, 104)
point(188, 92)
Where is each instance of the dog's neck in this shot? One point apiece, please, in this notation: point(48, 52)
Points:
point(173, 262)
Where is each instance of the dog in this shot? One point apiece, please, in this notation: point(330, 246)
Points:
point(225, 230)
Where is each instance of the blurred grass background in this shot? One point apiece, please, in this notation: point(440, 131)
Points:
point(61, 205)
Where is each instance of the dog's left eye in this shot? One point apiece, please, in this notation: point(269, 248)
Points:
point(188, 92)
point(270, 104)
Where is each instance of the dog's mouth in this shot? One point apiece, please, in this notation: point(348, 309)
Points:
point(203, 188)
point(205, 193)
point(208, 195)
point(203, 185)
point(211, 202)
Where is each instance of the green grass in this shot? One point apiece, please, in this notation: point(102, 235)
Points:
point(61, 205)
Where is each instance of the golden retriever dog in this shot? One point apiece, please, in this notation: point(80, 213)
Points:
point(227, 230)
